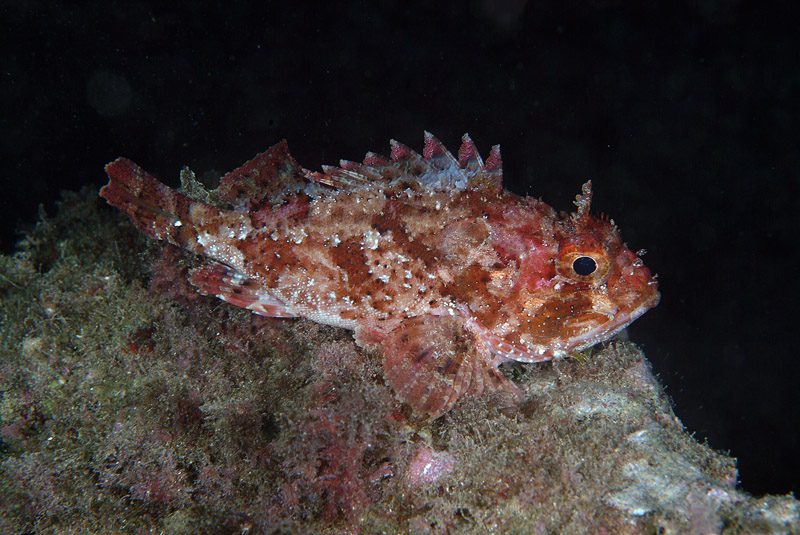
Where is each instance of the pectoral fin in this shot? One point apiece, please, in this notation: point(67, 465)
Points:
point(433, 361)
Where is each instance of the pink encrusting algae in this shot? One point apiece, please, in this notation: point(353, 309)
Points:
point(427, 465)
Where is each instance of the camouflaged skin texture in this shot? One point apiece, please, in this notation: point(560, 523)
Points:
point(426, 256)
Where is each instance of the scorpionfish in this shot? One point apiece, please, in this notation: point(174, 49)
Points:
point(425, 256)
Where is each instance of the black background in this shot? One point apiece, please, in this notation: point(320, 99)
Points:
point(683, 114)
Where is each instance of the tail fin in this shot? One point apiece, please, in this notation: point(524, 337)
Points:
point(164, 214)
point(158, 210)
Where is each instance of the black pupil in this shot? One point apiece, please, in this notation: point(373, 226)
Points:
point(584, 265)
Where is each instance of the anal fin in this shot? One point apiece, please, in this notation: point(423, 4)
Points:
point(231, 286)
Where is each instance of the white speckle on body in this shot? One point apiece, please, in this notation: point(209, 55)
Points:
point(371, 239)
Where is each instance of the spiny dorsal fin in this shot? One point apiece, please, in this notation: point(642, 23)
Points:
point(435, 169)
point(437, 153)
point(468, 156)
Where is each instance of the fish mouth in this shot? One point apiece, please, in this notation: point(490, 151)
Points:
point(607, 330)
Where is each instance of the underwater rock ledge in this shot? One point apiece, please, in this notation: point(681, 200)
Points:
point(131, 404)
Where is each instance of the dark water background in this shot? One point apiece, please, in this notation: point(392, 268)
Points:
point(684, 115)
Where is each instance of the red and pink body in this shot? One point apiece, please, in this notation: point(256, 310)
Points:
point(426, 256)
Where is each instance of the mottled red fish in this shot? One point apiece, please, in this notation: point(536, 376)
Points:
point(426, 256)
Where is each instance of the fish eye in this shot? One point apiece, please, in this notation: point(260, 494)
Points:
point(584, 265)
point(587, 265)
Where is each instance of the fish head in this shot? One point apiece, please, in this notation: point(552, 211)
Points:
point(586, 286)
point(600, 286)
